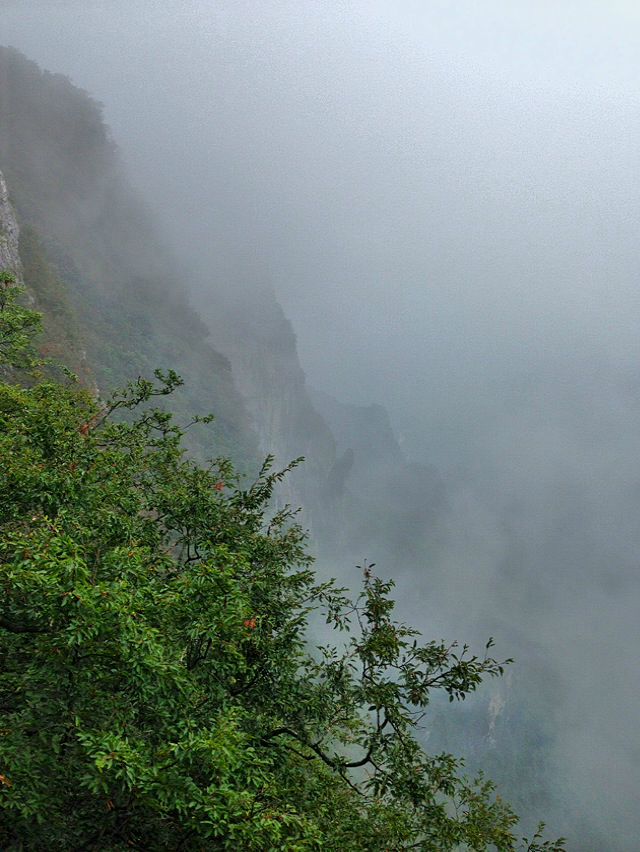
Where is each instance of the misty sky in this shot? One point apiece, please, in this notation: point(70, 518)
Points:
point(445, 198)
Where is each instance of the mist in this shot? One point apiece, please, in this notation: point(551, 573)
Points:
point(445, 202)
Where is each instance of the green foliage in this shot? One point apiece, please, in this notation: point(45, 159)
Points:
point(61, 339)
point(156, 688)
point(18, 324)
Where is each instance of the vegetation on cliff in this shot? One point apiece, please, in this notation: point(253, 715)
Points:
point(112, 295)
point(157, 687)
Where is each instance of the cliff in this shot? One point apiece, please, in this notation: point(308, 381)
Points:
point(115, 306)
point(395, 505)
point(112, 295)
point(360, 495)
point(9, 231)
point(260, 343)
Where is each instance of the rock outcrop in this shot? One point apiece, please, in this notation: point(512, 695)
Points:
point(9, 233)
point(260, 342)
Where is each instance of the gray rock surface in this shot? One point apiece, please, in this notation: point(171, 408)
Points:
point(9, 231)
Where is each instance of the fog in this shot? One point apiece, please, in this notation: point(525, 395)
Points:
point(445, 199)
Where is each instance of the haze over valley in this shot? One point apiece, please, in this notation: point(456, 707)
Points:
point(412, 231)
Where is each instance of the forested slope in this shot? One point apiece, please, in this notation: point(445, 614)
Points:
point(113, 297)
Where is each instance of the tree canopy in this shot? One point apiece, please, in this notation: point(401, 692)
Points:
point(158, 686)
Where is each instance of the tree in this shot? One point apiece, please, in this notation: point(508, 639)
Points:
point(157, 689)
point(18, 324)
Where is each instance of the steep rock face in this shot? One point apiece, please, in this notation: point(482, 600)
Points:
point(395, 505)
point(367, 432)
point(106, 283)
point(261, 344)
point(9, 232)
point(359, 493)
